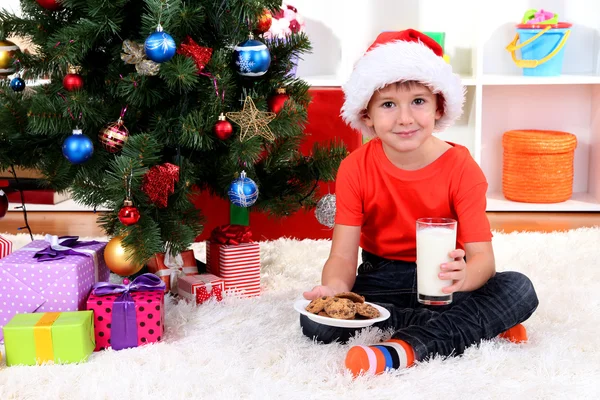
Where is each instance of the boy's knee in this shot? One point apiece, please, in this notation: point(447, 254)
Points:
point(522, 289)
point(323, 333)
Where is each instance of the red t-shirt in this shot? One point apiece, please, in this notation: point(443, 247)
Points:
point(386, 201)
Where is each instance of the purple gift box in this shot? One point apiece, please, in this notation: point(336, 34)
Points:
point(50, 275)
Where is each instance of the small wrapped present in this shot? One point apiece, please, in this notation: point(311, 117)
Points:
point(200, 288)
point(130, 314)
point(53, 337)
point(232, 255)
point(170, 268)
point(55, 274)
point(5, 247)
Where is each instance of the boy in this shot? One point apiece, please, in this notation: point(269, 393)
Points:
point(399, 93)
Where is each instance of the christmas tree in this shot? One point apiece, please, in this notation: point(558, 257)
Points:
point(139, 105)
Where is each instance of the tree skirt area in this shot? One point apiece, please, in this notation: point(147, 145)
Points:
point(254, 349)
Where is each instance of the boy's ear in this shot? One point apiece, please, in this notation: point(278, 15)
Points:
point(440, 106)
point(364, 115)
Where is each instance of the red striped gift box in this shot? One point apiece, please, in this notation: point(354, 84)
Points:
point(238, 265)
point(5, 247)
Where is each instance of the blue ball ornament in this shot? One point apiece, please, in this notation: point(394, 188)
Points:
point(160, 46)
point(78, 148)
point(243, 192)
point(251, 58)
point(17, 84)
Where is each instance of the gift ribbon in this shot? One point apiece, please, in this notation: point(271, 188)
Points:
point(123, 330)
point(42, 337)
point(175, 269)
point(63, 246)
point(231, 235)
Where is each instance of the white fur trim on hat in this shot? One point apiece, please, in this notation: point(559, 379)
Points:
point(401, 61)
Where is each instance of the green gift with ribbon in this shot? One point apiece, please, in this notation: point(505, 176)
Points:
point(52, 337)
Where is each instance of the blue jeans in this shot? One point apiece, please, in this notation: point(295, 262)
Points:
point(506, 300)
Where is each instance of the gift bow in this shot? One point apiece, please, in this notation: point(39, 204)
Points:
point(203, 293)
point(61, 247)
point(175, 269)
point(123, 330)
point(231, 234)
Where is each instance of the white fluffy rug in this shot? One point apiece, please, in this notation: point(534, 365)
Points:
point(253, 348)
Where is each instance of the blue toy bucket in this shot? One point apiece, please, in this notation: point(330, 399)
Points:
point(542, 48)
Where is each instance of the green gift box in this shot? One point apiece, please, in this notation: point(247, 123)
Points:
point(59, 337)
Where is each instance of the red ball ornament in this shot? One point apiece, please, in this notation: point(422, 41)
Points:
point(49, 4)
point(223, 128)
point(264, 22)
point(277, 101)
point(114, 136)
point(3, 203)
point(128, 214)
point(72, 82)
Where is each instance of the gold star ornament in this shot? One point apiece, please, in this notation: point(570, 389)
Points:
point(253, 122)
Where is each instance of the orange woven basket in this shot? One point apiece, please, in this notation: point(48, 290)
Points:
point(538, 166)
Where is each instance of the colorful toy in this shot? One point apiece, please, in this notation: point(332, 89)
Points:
point(542, 39)
point(540, 17)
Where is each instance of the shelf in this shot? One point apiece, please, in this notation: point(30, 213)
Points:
point(580, 202)
point(67, 205)
point(334, 81)
point(499, 80)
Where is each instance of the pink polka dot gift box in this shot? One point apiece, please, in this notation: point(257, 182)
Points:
point(51, 275)
point(130, 314)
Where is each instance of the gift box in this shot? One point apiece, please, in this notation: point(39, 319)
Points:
point(200, 288)
point(171, 268)
point(129, 314)
point(53, 337)
point(234, 257)
point(5, 247)
point(51, 275)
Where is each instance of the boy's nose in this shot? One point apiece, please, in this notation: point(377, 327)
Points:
point(404, 116)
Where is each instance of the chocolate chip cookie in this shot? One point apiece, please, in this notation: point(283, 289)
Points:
point(341, 308)
point(356, 298)
point(318, 304)
point(367, 310)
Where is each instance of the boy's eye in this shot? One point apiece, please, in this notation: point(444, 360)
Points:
point(388, 104)
point(419, 102)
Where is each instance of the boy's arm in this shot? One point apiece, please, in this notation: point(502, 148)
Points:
point(481, 265)
point(339, 272)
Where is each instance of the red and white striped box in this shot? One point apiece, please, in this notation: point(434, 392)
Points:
point(238, 265)
point(5, 247)
point(199, 288)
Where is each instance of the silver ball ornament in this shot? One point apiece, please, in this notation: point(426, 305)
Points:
point(325, 211)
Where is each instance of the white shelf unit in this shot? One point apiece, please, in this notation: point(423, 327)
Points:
point(499, 97)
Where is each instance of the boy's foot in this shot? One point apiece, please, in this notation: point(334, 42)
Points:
point(377, 359)
point(517, 334)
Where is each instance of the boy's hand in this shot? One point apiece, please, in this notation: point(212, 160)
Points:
point(318, 291)
point(455, 271)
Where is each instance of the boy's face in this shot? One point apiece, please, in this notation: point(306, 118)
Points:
point(403, 115)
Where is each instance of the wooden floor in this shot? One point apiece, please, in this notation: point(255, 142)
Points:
point(84, 223)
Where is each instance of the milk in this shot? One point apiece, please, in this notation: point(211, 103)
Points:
point(433, 245)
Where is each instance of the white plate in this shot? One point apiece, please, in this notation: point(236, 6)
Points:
point(300, 306)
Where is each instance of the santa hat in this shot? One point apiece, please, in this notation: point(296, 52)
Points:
point(402, 56)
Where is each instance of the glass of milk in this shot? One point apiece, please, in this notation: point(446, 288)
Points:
point(436, 238)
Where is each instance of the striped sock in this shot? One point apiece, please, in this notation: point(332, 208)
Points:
point(393, 354)
point(516, 334)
